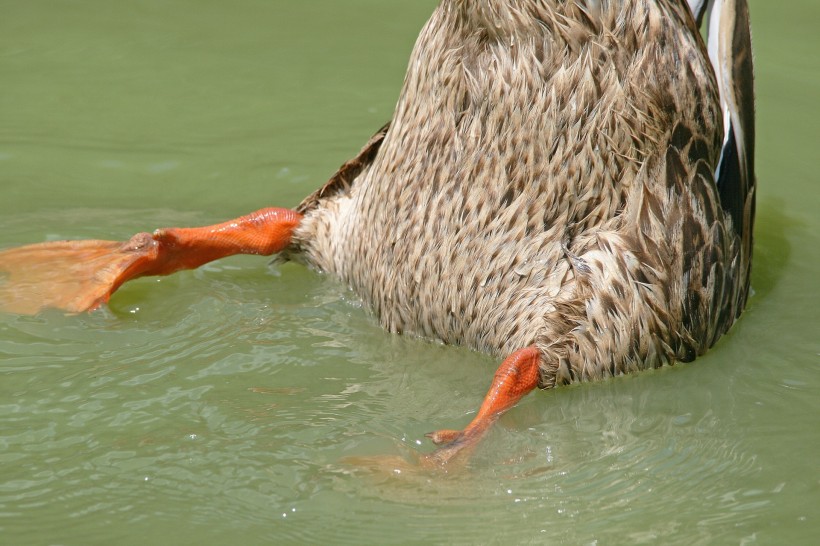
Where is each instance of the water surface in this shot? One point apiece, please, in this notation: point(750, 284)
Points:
point(219, 406)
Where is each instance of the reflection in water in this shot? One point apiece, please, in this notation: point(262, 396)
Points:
point(772, 251)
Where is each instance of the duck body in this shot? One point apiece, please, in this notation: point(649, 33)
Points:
point(568, 184)
point(548, 180)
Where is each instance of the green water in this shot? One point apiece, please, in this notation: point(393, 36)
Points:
point(219, 406)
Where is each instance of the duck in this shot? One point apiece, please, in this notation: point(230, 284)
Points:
point(566, 185)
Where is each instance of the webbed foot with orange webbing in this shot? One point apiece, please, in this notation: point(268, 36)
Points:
point(78, 276)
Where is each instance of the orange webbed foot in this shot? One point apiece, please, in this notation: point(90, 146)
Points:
point(74, 276)
point(77, 276)
point(443, 436)
point(516, 376)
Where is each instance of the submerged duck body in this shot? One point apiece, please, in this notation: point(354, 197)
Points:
point(548, 179)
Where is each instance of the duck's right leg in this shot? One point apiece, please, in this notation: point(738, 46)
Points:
point(516, 377)
point(78, 276)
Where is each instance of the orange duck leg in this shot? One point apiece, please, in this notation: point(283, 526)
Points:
point(78, 276)
point(516, 377)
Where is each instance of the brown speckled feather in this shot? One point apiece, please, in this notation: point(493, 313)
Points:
point(548, 178)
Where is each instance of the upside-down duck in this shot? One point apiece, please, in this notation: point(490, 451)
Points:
point(565, 184)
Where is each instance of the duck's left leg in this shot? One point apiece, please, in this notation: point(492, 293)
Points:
point(517, 376)
point(78, 276)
